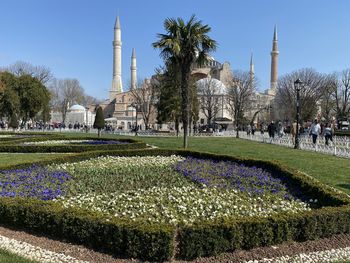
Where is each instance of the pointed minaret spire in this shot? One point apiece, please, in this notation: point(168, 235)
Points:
point(133, 70)
point(251, 69)
point(117, 23)
point(275, 33)
point(117, 86)
point(274, 63)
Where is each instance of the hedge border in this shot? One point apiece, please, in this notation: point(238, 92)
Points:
point(163, 242)
point(31, 136)
point(14, 147)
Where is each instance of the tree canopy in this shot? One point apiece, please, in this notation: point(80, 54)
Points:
point(22, 95)
point(182, 46)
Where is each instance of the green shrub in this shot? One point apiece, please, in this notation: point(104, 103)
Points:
point(126, 239)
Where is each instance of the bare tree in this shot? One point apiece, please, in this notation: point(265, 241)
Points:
point(239, 94)
point(210, 92)
point(42, 73)
point(145, 95)
point(342, 94)
point(65, 92)
point(327, 100)
point(314, 84)
point(89, 100)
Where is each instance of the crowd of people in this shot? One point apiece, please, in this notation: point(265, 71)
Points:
point(314, 130)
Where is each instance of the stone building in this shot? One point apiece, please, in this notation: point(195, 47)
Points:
point(77, 114)
point(120, 108)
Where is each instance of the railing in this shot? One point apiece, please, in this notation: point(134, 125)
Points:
point(339, 147)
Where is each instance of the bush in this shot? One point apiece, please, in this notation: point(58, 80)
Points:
point(126, 239)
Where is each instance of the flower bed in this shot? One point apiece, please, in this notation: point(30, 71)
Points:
point(58, 144)
point(175, 190)
point(62, 142)
point(35, 181)
point(185, 205)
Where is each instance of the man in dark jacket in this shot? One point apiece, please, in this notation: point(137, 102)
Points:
point(271, 130)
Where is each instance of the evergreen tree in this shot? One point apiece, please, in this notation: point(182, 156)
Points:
point(99, 122)
point(13, 122)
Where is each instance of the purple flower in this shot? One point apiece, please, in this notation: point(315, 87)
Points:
point(227, 174)
point(34, 181)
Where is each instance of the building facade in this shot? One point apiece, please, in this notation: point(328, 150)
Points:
point(121, 107)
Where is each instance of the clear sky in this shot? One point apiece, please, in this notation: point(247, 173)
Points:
point(74, 37)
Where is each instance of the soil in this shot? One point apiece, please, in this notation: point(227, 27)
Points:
point(83, 253)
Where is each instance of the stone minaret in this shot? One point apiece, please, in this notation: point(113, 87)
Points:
point(274, 63)
point(117, 86)
point(251, 69)
point(133, 70)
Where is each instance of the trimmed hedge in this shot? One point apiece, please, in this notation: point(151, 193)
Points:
point(148, 242)
point(163, 242)
point(15, 147)
point(213, 238)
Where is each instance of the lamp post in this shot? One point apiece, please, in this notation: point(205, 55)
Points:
point(136, 128)
point(297, 85)
point(134, 105)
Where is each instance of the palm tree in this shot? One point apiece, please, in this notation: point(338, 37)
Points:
point(182, 45)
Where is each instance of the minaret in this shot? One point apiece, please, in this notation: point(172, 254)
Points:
point(274, 63)
point(133, 70)
point(251, 69)
point(117, 86)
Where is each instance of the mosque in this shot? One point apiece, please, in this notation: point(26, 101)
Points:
point(120, 110)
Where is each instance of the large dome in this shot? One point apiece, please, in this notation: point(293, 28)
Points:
point(215, 85)
point(77, 107)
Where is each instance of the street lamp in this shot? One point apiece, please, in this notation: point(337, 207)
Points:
point(134, 105)
point(297, 85)
point(136, 128)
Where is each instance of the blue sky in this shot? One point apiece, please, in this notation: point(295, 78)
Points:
point(74, 37)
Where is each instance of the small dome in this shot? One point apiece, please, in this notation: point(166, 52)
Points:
point(77, 107)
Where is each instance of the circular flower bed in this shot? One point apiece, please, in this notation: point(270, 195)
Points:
point(174, 189)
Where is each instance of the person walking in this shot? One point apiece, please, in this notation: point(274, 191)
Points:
point(253, 129)
point(271, 129)
point(262, 127)
point(315, 131)
point(328, 135)
point(280, 129)
point(249, 129)
point(293, 130)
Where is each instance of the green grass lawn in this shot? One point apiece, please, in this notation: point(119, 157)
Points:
point(7, 257)
point(17, 158)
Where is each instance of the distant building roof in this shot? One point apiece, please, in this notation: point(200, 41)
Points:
point(77, 107)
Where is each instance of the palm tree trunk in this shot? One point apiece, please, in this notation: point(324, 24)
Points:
point(185, 77)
